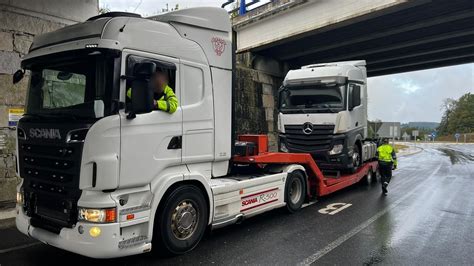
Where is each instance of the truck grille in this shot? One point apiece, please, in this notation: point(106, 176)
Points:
point(319, 139)
point(51, 182)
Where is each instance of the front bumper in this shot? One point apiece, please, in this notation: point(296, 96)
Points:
point(325, 161)
point(106, 245)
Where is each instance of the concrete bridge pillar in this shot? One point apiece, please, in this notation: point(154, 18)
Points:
point(257, 81)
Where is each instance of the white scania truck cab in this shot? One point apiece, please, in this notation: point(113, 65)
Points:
point(105, 175)
point(323, 111)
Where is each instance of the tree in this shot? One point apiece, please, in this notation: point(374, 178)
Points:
point(104, 9)
point(458, 115)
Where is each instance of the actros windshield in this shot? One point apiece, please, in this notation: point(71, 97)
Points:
point(78, 84)
point(316, 98)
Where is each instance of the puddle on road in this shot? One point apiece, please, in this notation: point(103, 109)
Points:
point(457, 157)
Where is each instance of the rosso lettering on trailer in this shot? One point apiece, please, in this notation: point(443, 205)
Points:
point(259, 199)
point(334, 208)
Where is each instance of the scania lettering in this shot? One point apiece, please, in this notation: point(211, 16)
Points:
point(105, 175)
point(45, 133)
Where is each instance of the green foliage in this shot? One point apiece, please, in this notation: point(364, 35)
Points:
point(104, 9)
point(458, 115)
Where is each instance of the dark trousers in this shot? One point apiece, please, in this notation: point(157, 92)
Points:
point(385, 170)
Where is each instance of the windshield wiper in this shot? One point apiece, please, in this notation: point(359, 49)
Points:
point(327, 106)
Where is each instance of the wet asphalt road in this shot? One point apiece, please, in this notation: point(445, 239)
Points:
point(427, 218)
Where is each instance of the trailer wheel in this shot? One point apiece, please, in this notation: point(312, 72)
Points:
point(182, 221)
point(295, 191)
point(369, 178)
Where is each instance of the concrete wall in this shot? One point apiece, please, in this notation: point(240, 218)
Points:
point(20, 21)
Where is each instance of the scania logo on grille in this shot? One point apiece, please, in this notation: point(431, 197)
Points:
point(45, 133)
point(307, 128)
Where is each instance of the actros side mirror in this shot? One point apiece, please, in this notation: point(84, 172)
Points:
point(142, 90)
point(18, 76)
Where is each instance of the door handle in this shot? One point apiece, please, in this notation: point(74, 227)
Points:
point(175, 143)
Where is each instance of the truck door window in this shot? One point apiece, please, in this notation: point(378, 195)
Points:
point(354, 96)
point(168, 68)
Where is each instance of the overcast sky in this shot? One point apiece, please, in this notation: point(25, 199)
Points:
point(412, 96)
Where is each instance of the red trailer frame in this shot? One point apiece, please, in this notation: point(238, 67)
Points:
point(316, 180)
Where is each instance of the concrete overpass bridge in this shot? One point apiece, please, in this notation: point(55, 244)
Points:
point(392, 35)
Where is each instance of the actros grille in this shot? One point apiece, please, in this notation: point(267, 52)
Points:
point(317, 139)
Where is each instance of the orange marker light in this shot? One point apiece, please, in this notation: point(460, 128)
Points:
point(130, 216)
point(110, 215)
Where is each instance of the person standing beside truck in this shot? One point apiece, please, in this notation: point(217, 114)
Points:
point(163, 95)
point(387, 162)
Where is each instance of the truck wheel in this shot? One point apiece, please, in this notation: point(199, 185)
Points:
point(295, 191)
point(182, 221)
point(356, 158)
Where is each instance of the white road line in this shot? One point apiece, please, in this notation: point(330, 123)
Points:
point(340, 209)
point(320, 253)
point(19, 247)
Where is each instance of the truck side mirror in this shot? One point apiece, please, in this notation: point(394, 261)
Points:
point(141, 88)
point(18, 76)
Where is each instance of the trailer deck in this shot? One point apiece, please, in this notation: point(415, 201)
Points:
point(318, 184)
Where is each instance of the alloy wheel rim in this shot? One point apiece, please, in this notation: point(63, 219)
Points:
point(184, 220)
point(295, 191)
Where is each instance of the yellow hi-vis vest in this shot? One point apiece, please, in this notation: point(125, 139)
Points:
point(168, 102)
point(386, 153)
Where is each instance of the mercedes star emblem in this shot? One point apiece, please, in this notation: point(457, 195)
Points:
point(307, 128)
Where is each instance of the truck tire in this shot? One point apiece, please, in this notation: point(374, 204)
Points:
point(356, 159)
point(182, 221)
point(295, 191)
point(369, 178)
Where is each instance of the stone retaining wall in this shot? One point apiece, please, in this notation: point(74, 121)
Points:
point(254, 103)
point(20, 21)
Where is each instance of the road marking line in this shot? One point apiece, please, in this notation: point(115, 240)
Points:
point(340, 209)
point(19, 247)
point(320, 253)
point(334, 208)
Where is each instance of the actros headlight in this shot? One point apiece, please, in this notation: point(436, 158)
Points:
point(336, 149)
point(283, 147)
point(97, 215)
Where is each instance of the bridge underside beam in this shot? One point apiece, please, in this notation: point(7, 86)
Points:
point(433, 34)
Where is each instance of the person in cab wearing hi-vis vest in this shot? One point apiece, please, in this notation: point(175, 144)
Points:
point(163, 95)
point(387, 162)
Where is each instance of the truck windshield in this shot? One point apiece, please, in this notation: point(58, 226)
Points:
point(70, 85)
point(320, 98)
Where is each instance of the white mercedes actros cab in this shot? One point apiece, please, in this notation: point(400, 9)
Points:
point(323, 111)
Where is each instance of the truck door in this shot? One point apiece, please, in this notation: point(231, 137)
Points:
point(150, 142)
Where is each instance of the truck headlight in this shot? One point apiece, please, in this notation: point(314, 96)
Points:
point(98, 215)
point(19, 198)
point(336, 149)
point(283, 147)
